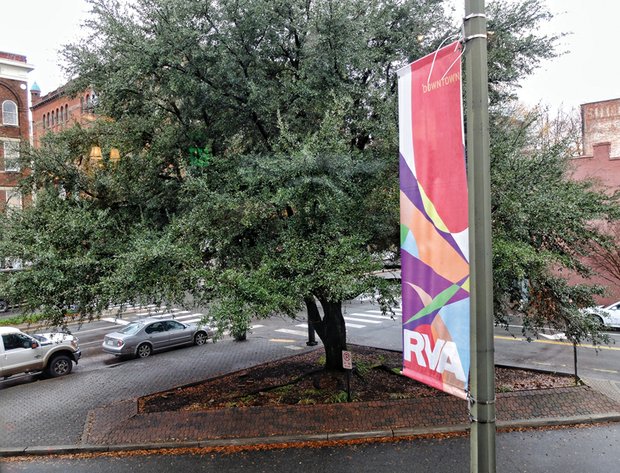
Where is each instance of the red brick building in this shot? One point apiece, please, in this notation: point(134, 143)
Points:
point(57, 110)
point(600, 122)
point(14, 124)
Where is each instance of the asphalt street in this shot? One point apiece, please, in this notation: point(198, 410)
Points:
point(592, 449)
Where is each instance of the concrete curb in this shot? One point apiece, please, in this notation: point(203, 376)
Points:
point(292, 440)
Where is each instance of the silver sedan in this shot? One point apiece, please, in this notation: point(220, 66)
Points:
point(143, 337)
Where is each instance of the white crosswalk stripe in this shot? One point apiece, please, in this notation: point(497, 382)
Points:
point(292, 332)
point(396, 311)
point(353, 319)
point(370, 316)
point(115, 321)
point(376, 311)
point(163, 314)
point(184, 315)
point(359, 319)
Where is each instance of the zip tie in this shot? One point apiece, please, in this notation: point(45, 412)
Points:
point(474, 36)
point(481, 35)
point(475, 15)
point(471, 401)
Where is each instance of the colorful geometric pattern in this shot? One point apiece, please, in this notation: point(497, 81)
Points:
point(434, 222)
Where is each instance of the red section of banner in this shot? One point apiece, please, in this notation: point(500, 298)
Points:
point(436, 88)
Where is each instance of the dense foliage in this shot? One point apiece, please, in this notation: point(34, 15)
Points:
point(258, 169)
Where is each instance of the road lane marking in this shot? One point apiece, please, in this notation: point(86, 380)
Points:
point(553, 342)
point(281, 340)
point(293, 347)
point(605, 371)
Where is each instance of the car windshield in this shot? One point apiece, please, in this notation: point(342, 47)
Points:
point(131, 329)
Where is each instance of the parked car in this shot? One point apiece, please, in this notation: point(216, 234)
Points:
point(143, 337)
point(53, 353)
point(4, 305)
point(609, 316)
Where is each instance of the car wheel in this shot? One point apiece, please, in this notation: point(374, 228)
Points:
point(598, 320)
point(4, 305)
point(144, 350)
point(59, 366)
point(200, 338)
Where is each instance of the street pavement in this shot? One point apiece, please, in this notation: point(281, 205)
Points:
point(570, 450)
point(94, 409)
point(53, 412)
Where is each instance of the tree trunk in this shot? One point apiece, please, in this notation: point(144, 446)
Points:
point(331, 330)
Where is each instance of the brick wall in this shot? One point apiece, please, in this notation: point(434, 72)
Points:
point(600, 162)
point(601, 123)
point(17, 92)
point(56, 111)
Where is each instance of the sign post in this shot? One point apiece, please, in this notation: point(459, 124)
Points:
point(347, 364)
point(482, 375)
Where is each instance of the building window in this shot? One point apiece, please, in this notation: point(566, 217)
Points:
point(9, 113)
point(11, 155)
point(67, 112)
point(13, 198)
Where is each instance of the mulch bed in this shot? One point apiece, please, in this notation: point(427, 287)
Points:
point(301, 379)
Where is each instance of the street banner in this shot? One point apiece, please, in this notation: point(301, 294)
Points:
point(434, 222)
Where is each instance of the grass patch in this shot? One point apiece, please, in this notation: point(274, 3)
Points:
point(21, 319)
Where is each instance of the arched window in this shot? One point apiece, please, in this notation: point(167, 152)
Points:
point(57, 122)
point(66, 112)
point(9, 113)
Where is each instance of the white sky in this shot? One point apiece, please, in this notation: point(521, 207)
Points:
point(588, 72)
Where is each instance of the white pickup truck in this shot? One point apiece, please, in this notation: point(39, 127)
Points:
point(52, 353)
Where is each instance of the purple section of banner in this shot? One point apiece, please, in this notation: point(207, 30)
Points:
point(415, 273)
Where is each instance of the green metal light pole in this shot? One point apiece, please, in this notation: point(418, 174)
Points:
point(482, 371)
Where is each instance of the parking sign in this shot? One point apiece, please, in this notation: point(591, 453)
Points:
point(347, 362)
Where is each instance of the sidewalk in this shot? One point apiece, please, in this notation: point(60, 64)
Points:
point(119, 426)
